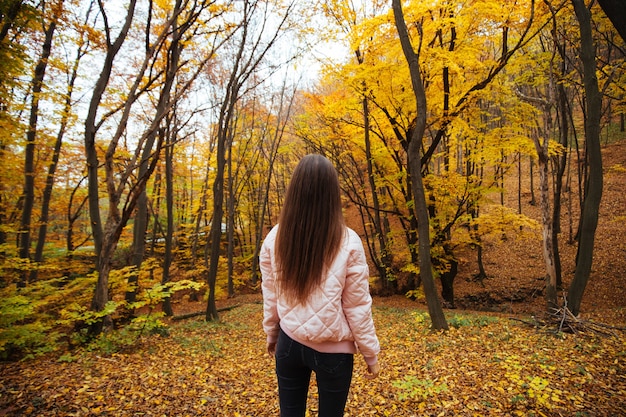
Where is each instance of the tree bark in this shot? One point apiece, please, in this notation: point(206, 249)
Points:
point(593, 192)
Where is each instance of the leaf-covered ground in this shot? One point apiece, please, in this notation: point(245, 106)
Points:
point(488, 365)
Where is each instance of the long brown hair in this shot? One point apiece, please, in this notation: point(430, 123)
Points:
point(311, 227)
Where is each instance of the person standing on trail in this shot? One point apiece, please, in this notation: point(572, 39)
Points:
point(316, 301)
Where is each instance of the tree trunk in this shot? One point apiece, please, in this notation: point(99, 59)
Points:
point(593, 193)
point(215, 235)
point(47, 194)
point(91, 155)
point(561, 163)
point(140, 226)
point(169, 204)
point(29, 164)
point(415, 171)
point(533, 199)
point(223, 142)
point(260, 223)
point(141, 217)
point(9, 17)
point(447, 277)
point(72, 216)
point(519, 183)
point(548, 252)
point(104, 241)
point(230, 224)
point(156, 215)
point(482, 274)
point(616, 12)
point(384, 261)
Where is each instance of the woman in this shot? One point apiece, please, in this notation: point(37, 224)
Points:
point(317, 305)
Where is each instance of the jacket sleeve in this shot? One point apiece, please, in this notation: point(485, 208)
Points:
point(268, 287)
point(357, 302)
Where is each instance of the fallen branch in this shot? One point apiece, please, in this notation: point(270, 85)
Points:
point(562, 320)
point(568, 322)
point(201, 313)
point(534, 323)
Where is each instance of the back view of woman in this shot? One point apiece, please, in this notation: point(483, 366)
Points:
point(317, 305)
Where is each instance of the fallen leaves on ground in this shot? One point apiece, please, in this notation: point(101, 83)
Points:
point(487, 365)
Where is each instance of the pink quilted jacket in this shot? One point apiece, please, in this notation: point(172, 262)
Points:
point(337, 318)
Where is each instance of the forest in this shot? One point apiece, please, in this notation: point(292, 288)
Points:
point(146, 145)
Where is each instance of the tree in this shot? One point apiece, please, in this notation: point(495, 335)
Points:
point(345, 16)
point(415, 170)
point(250, 52)
point(103, 249)
point(140, 224)
point(14, 18)
point(119, 171)
point(274, 139)
point(31, 135)
point(81, 51)
point(169, 204)
point(593, 190)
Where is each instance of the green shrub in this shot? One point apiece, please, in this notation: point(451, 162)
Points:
point(42, 317)
point(27, 326)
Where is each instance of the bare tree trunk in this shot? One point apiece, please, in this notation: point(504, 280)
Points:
point(263, 204)
point(561, 164)
point(47, 194)
point(533, 198)
point(169, 204)
point(593, 192)
point(548, 251)
point(72, 216)
point(415, 170)
point(156, 215)
point(29, 164)
point(91, 154)
point(242, 70)
point(230, 224)
point(141, 217)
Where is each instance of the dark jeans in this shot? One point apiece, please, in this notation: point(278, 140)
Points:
point(294, 363)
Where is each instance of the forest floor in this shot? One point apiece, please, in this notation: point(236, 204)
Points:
point(516, 270)
point(492, 362)
point(487, 364)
